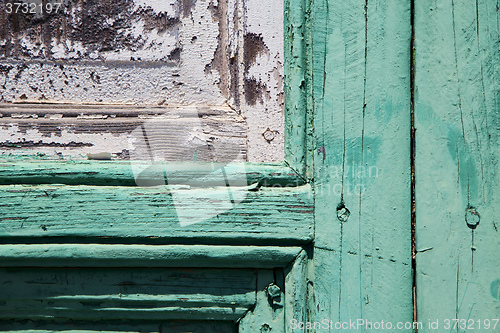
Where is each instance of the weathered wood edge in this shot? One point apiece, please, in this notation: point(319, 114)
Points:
point(299, 298)
point(118, 255)
point(298, 86)
point(120, 173)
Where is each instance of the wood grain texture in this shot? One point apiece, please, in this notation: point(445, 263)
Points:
point(124, 293)
point(175, 52)
point(156, 133)
point(121, 173)
point(117, 255)
point(157, 213)
point(457, 151)
point(361, 75)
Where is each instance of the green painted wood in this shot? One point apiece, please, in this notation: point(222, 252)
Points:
point(97, 202)
point(125, 293)
point(457, 120)
point(117, 255)
point(15, 170)
point(268, 313)
point(362, 255)
point(109, 326)
point(298, 86)
point(299, 301)
point(265, 215)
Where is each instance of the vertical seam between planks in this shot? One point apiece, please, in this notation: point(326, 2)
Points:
point(412, 162)
point(362, 163)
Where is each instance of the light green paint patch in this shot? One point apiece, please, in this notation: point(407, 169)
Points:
point(495, 289)
point(3, 232)
point(359, 166)
point(458, 149)
point(385, 109)
point(467, 170)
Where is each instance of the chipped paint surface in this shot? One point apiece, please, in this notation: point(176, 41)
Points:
point(150, 52)
point(263, 79)
point(171, 133)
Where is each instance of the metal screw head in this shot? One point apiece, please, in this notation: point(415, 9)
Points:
point(472, 217)
point(273, 290)
point(343, 214)
point(268, 135)
point(265, 328)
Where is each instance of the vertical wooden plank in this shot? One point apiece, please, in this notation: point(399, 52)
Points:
point(457, 174)
point(298, 86)
point(263, 72)
point(361, 53)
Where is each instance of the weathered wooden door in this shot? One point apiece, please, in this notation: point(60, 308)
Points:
point(380, 219)
point(175, 231)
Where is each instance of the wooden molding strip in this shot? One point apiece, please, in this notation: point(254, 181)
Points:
point(118, 255)
point(121, 173)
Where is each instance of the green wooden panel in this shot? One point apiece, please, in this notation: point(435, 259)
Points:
point(363, 264)
point(30, 170)
point(264, 215)
point(457, 120)
point(123, 293)
point(298, 86)
point(77, 284)
point(136, 255)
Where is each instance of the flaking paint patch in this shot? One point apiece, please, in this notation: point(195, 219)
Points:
point(86, 30)
point(255, 90)
point(254, 46)
point(151, 52)
point(220, 60)
point(187, 7)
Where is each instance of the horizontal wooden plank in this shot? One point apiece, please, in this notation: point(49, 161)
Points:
point(173, 133)
point(126, 293)
point(116, 255)
point(109, 326)
point(120, 173)
point(160, 213)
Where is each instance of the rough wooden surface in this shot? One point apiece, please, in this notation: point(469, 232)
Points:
point(363, 265)
point(203, 133)
point(268, 313)
point(175, 52)
point(124, 293)
point(457, 120)
point(30, 170)
point(159, 213)
point(298, 86)
point(135, 255)
point(299, 299)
